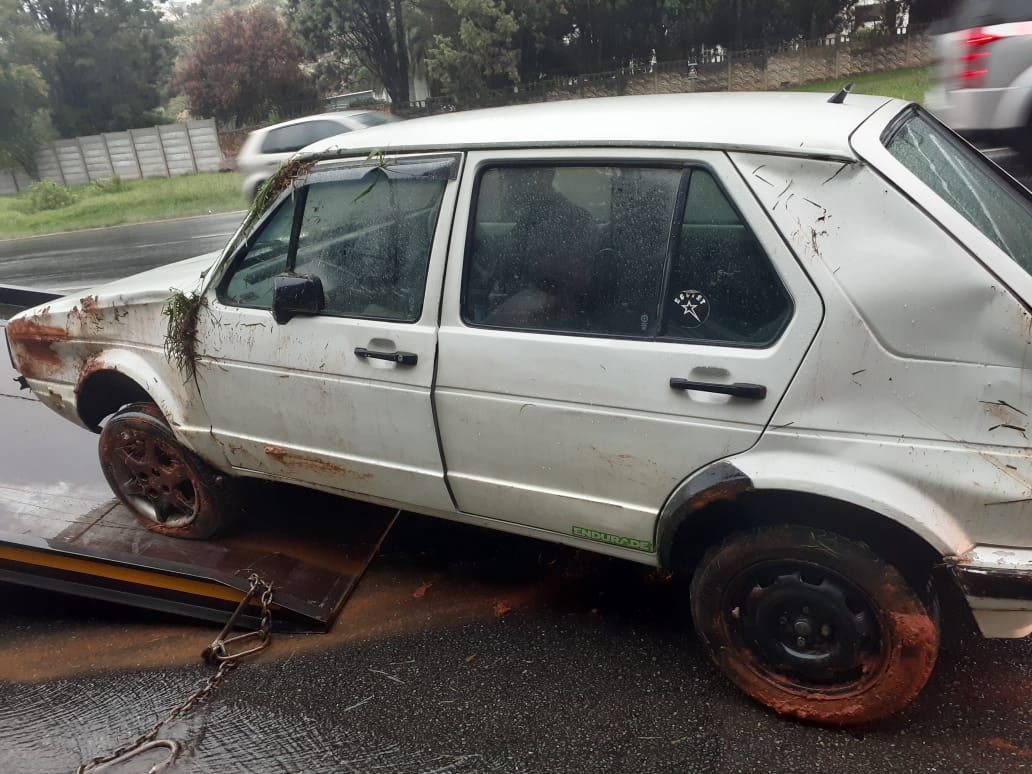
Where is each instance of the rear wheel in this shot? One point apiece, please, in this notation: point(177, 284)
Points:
point(814, 625)
point(167, 487)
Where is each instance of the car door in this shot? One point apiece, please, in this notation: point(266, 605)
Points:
point(339, 399)
point(612, 321)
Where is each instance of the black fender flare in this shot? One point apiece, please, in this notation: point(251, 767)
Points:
point(720, 481)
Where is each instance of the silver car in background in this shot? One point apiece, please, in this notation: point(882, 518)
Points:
point(265, 149)
point(982, 84)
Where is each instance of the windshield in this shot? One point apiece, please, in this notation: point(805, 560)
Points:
point(992, 202)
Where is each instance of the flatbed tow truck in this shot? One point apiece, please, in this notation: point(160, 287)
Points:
point(62, 530)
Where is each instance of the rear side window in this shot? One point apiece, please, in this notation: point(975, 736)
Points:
point(635, 252)
point(990, 201)
point(287, 139)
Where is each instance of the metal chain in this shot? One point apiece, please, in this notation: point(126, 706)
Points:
point(216, 653)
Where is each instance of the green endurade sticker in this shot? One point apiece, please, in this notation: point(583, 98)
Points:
point(614, 540)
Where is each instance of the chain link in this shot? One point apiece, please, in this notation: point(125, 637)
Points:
point(216, 653)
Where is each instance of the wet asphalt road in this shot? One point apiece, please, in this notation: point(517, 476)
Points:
point(462, 650)
point(69, 262)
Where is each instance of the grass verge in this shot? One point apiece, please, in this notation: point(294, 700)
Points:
point(910, 84)
point(133, 201)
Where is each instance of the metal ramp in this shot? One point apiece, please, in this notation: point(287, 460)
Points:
point(60, 529)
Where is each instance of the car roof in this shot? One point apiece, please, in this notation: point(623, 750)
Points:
point(335, 115)
point(795, 123)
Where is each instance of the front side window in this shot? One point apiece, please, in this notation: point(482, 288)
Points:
point(366, 231)
point(637, 252)
point(991, 202)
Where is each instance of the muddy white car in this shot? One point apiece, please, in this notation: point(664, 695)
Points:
point(774, 343)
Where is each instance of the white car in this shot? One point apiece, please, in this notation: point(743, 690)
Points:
point(775, 343)
point(982, 84)
point(266, 149)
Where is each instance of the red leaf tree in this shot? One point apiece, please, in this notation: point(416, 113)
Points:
point(244, 67)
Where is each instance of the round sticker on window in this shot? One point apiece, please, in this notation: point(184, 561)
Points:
point(694, 308)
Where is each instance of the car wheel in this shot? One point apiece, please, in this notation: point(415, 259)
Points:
point(167, 487)
point(814, 625)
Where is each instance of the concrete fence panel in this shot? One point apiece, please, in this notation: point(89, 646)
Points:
point(149, 152)
point(95, 156)
point(175, 140)
point(157, 151)
point(123, 155)
point(204, 139)
point(73, 165)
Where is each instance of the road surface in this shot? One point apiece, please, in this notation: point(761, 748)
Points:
point(65, 263)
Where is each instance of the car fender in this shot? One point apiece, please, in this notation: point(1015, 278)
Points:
point(869, 488)
point(1015, 106)
point(178, 399)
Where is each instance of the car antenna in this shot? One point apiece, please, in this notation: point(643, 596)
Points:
point(840, 96)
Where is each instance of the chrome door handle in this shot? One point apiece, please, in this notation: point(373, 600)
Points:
point(737, 390)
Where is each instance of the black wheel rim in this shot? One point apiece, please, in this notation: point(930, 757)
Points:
point(804, 625)
point(151, 477)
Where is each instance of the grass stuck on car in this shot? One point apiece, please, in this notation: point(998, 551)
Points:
point(775, 343)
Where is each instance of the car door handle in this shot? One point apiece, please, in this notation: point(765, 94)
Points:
point(401, 358)
point(737, 390)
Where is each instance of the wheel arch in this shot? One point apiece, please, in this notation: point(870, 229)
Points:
point(866, 505)
point(114, 378)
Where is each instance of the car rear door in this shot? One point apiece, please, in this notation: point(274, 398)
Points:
point(607, 334)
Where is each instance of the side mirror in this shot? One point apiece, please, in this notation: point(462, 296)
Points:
point(296, 294)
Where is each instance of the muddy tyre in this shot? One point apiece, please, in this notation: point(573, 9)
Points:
point(167, 487)
point(814, 625)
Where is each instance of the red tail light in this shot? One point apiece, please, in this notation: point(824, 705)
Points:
point(976, 57)
point(974, 62)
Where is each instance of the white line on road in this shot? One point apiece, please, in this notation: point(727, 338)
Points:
point(212, 236)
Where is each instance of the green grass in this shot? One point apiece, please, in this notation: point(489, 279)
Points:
point(137, 201)
point(909, 84)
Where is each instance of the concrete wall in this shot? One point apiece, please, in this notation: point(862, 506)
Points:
point(158, 151)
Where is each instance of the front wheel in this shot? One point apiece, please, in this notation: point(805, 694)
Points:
point(814, 625)
point(166, 486)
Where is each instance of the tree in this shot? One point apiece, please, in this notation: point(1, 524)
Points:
point(114, 58)
point(244, 63)
point(24, 95)
point(371, 31)
point(479, 53)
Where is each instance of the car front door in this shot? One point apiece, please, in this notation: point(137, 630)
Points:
point(609, 326)
point(339, 399)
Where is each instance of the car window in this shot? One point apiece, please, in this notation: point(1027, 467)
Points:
point(368, 240)
point(250, 284)
point(589, 250)
point(990, 201)
point(723, 288)
point(287, 139)
point(570, 249)
point(365, 230)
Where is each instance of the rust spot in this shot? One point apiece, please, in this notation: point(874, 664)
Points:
point(294, 460)
point(721, 491)
point(32, 346)
point(421, 591)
